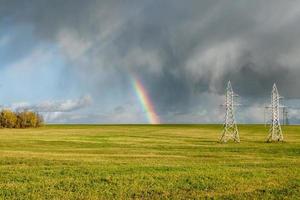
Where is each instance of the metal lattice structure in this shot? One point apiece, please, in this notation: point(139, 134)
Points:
point(230, 131)
point(275, 133)
point(285, 116)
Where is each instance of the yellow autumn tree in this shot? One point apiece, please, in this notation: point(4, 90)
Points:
point(8, 119)
point(25, 119)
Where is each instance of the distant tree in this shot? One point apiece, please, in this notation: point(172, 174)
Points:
point(21, 123)
point(40, 120)
point(8, 119)
point(25, 119)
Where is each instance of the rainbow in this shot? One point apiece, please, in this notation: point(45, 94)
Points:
point(145, 101)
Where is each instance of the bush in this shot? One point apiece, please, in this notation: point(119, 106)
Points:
point(25, 119)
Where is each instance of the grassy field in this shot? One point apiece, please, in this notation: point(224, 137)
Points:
point(147, 162)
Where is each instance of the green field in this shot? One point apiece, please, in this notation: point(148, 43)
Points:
point(147, 162)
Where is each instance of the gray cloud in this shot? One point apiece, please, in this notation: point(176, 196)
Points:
point(183, 51)
point(56, 106)
point(119, 115)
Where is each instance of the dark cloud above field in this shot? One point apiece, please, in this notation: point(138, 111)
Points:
point(183, 51)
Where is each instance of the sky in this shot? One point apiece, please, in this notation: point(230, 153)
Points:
point(148, 61)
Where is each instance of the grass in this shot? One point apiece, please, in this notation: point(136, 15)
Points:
point(147, 162)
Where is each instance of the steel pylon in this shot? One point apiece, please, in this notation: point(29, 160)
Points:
point(275, 132)
point(230, 131)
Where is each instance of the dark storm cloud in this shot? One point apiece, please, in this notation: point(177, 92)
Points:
point(180, 49)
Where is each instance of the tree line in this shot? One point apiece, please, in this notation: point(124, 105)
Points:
point(24, 119)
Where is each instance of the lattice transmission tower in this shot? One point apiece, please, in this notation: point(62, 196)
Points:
point(230, 131)
point(285, 116)
point(275, 132)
